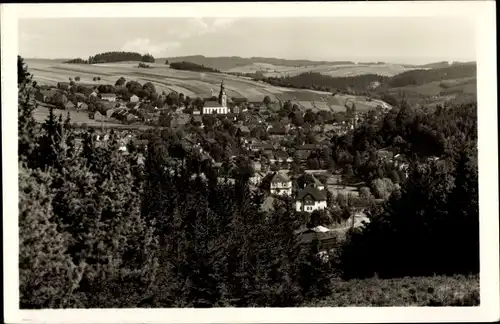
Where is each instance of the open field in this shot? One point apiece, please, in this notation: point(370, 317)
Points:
point(338, 70)
point(412, 291)
point(455, 86)
point(165, 79)
point(193, 84)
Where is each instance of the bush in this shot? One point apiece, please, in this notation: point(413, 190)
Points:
point(409, 291)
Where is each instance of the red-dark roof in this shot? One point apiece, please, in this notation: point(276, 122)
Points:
point(277, 131)
point(315, 193)
point(306, 147)
point(212, 103)
point(279, 177)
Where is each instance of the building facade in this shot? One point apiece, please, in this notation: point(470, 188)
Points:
point(218, 107)
point(281, 185)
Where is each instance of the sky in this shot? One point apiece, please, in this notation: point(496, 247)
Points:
point(412, 40)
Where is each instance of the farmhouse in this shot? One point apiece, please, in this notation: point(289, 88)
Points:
point(134, 98)
point(217, 107)
point(82, 106)
point(281, 185)
point(111, 97)
point(310, 199)
point(276, 132)
point(257, 177)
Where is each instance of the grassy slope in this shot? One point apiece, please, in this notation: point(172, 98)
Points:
point(165, 79)
point(340, 70)
point(192, 84)
point(418, 291)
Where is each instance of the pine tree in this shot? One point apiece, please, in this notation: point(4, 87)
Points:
point(48, 277)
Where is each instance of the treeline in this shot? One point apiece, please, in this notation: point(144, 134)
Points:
point(362, 83)
point(419, 77)
point(226, 63)
point(318, 81)
point(77, 61)
point(111, 57)
point(189, 66)
point(431, 224)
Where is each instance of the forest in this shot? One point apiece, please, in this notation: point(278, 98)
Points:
point(189, 66)
point(113, 57)
point(419, 77)
point(362, 83)
point(99, 229)
point(318, 81)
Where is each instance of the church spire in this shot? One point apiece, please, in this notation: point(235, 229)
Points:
point(222, 94)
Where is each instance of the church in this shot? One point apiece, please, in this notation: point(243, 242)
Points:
point(217, 107)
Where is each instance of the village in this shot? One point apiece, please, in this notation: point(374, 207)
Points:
point(285, 150)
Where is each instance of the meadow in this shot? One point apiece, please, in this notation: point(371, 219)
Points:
point(191, 84)
point(411, 291)
point(337, 70)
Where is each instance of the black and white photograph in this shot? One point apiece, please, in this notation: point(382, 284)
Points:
point(249, 162)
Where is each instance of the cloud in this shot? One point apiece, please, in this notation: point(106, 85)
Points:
point(199, 26)
point(144, 45)
point(223, 23)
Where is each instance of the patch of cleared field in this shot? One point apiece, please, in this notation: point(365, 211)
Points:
point(341, 70)
point(193, 84)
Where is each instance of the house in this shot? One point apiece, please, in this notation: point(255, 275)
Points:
point(263, 147)
point(317, 184)
point(111, 97)
point(97, 115)
point(63, 85)
point(257, 178)
point(111, 112)
point(305, 150)
point(327, 239)
point(281, 157)
point(219, 106)
point(134, 99)
point(310, 199)
point(276, 132)
point(239, 100)
point(385, 155)
point(281, 185)
point(243, 131)
point(179, 120)
point(317, 129)
point(82, 106)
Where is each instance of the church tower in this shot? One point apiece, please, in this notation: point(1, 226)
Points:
point(222, 95)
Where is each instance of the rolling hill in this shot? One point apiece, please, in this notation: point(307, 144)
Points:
point(193, 84)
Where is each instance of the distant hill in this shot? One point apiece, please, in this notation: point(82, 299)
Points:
point(224, 63)
point(440, 65)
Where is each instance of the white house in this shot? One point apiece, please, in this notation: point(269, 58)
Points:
point(281, 185)
point(217, 107)
point(111, 97)
point(310, 199)
point(257, 177)
point(134, 98)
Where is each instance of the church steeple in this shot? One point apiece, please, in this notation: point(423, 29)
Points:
point(222, 95)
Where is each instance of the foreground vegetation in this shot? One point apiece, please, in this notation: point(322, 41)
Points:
point(100, 229)
point(415, 291)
